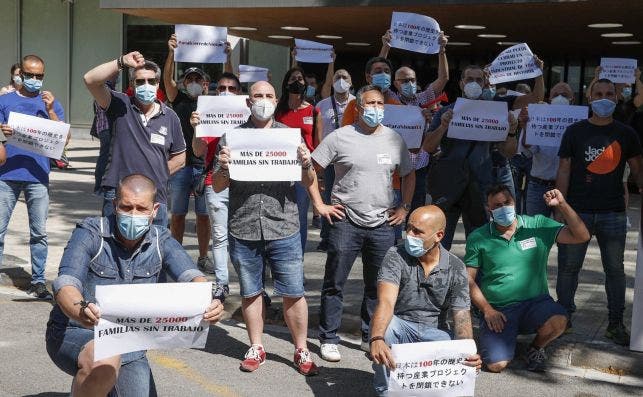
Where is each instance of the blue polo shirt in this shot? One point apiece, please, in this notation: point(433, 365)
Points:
point(23, 165)
point(142, 149)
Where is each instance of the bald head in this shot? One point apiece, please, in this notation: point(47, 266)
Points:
point(561, 89)
point(404, 72)
point(430, 216)
point(262, 87)
point(137, 185)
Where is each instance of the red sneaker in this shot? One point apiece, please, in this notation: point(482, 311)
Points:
point(254, 358)
point(304, 363)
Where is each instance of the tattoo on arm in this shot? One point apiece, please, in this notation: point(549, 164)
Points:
point(462, 324)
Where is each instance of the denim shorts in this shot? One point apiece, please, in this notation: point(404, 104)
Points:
point(522, 318)
point(284, 258)
point(182, 184)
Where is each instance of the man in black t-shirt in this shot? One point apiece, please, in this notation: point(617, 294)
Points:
point(593, 154)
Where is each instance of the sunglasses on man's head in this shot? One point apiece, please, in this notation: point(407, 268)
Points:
point(152, 81)
point(28, 76)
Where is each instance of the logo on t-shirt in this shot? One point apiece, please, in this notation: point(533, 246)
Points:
point(603, 160)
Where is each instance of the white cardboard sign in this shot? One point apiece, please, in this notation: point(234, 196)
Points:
point(618, 70)
point(264, 154)
point(200, 44)
point(407, 121)
point(250, 74)
point(476, 120)
point(415, 32)
point(220, 114)
point(515, 63)
point(313, 52)
point(547, 123)
point(38, 135)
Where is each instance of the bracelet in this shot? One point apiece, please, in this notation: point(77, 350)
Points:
point(119, 62)
point(373, 339)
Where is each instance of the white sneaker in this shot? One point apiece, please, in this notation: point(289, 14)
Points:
point(365, 346)
point(330, 352)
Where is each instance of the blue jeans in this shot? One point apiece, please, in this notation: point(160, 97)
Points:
point(609, 229)
point(402, 331)
point(502, 176)
point(109, 194)
point(105, 138)
point(329, 180)
point(217, 204)
point(181, 186)
point(303, 202)
point(37, 199)
point(535, 202)
point(283, 256)
point(346, 241)
point(520, 168)
point(134, 378)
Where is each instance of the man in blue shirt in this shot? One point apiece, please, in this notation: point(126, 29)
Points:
point(28, 172)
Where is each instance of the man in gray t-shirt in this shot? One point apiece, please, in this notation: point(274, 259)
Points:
point(365, 156)
point(418, 284)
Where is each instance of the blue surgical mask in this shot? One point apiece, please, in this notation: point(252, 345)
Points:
point(603, 107)
point(145, 93)
point(373, 116)
point(409, 89)
point(17, 80)
point(310, 91)
point(414, 246)
point(382, 80)
point(504, 216)
point(472, 90)
point(32, 85)
point(132, 227)
point(627, 92)
point(488, 93)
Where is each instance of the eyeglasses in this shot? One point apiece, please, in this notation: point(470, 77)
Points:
point(152, 81)
point(28, 76)
point(408, 80)
point(229, 88)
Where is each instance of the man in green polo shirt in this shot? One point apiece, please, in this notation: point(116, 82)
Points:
point(511, 254)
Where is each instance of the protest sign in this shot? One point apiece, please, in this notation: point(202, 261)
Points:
point(200, 44)
point(407, 121)
point(474, 120)
point(150, 316)
point(219, 114)
point(514, 93)
point(250, 74)
point(38, 135)
point(547, 123)
point(415, 32)
point(264, 155)
point(313, 52)
point(618, 70)
point(432, 369)
point(514, 63)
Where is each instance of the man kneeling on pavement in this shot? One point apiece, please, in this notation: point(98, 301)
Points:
point(416, 286)
point(124, 248)
point(511, 291)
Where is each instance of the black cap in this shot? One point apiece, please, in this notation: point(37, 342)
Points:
point(194, 70)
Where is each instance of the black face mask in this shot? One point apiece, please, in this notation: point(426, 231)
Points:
point(296, 87)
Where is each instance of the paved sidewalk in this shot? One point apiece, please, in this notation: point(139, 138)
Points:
point(584, 353)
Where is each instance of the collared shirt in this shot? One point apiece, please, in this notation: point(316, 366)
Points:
point(544, 163)
point(423, 299)
point(261, 210)
point(513, 270)
point(418, 99)
point(94, 256)
point(330, 120)
point(142, 149)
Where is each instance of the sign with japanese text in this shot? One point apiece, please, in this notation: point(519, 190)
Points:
point(264, 154)
point(618, 70)
point(407, 121)
point(200, 44)
point(475, 120)
point(150, 316)
point(547, 123)
point(432, 369)
point(515, 63)
point(415, 32)
point(250, 74)
point(38, 135)
point(313, 52)
point(220, 114)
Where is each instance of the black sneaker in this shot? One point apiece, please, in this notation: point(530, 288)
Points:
point(536, 359)
point(316, 222)
point(618, 334)
point(39, 290)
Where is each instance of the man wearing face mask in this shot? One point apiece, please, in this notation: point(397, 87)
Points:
point(329, 118)
point(593, 154)
point(124, 248)
point(15, 82)
point(462, 195)
point(263, 225)
point(544, 165)
point(417, 285)
point(511, 253)
point(146, 134)
point(26, 171)
point(365, 156)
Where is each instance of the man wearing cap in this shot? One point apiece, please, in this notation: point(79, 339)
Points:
point(182, 183)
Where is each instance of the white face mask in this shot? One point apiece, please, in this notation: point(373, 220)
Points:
point(341, 86)
point(262, 109)
point(472, 90)
point(559, 100)
point(194, 89)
